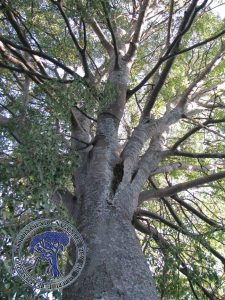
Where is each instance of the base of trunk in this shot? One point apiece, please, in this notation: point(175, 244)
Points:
point(115, 267)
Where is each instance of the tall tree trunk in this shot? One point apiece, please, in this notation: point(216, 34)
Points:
point(115, 266)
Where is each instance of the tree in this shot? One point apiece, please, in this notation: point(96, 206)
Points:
point(47, 245)
point(114, 109)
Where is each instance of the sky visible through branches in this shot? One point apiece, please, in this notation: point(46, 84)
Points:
point(118, 104)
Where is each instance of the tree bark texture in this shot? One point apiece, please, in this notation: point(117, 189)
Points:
point(103, 211)
point(115, 267)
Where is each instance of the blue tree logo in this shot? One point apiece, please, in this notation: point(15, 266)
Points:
point(48, 244)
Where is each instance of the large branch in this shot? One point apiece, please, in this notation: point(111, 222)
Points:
point(8, 57)
point(168, 191)
point(169, 23)
point(194, 130)
point(210, 39)
point(193, 121)
point(185, 25)
point(169, 56)
point(196, 212)
point(173, 48)
point(197, 155)
point(142, 133)
point(137, 32)
point(18, 60)
point(81, 51)
point(184, 98)
point(31, 74)
point(114, 40)
point(180, 166)
point(43, 55)
point(145, 213)
point(11, 16)
point(168, 205)
point(98, 31)
point(190, 208)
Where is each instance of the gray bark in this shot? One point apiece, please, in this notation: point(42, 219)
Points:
point(115, 266)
